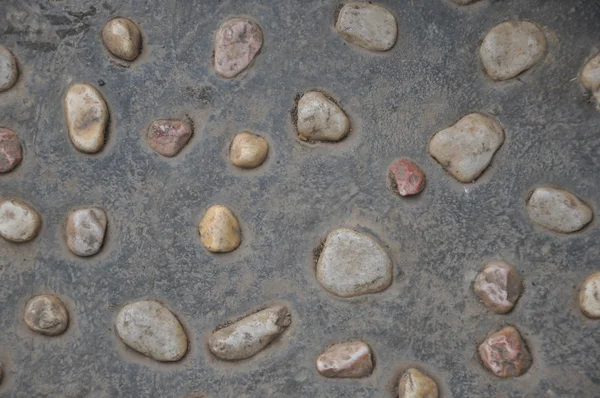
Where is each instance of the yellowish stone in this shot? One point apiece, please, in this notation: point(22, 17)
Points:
point(415, 384)
point(87, 116)
point(248, 150)
point(219, 230)
point(122, 38)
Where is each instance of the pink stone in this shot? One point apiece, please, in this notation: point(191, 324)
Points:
point(168, 137)
point(505, 354)
point(406, 177)
point(10, 150)
point(237, 41)
point(498, 285)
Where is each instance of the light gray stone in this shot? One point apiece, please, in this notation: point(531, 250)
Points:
point(9, 71)
point(85, 231)
point(589, 296)
point(46, 314)
point(320, 119)
point(19, 222)
point(558, 210)
point(346, 360)
point(367, 25)
point(87, 117)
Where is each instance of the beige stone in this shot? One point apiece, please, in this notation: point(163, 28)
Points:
point(558, 210)
point(237, 42)
point(589, 296)
point(415, 384)
point(248, 150)
point(9, 71)
point(46, 314)
point(87, 117)
point(367, 25)
point(19, 222)
point(320, 119)
point(85, 231)
point(590, 76)
point(498, 285)
point(346, 360)
point(122, 38)
point(219, 230)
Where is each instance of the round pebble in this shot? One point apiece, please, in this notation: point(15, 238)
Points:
point(47, 315)
point(219, 230)
point(589, 296)
point(85, 231)
point(237, 42)
point(346, 360)
point(19, 222)
point(87, 117)
point(498, 285)
point(11, 153)
point(406, 177)
point(416, 384)
point(504, 353)
point(558, 210)
point(9, 71)
point(248, 150)
point(168, 137)
point(320, 119)
point(367, 25)
point(122, 38)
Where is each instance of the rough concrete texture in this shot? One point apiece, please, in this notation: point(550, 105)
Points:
point(428, 318)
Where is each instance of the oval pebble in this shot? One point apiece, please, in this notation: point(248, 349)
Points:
point(367, 25)
point(19, 222)
point(85, 231)
point(46, 314)
point(122, 37)
point(237, 42)
point(320, 119)
point(87, 117)
point(558, 210)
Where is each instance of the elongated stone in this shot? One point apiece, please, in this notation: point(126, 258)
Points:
point(219, 230)
point(320, 119)
point(237, 42)
point(168, 137)
point(10, 150)
point(249, 335)
point(9, 71)
point(46, 314)
point(248, 150)
point(346, 360)
point(151, 329)
point(558, 210)
point(590, 76)
point(87, 116)
point(19, 222)
point(498, 285)
point(415, 384)
point(367, 25)
point(122, 37)
point(85, 231)
point(504, 353)
point(589, 296)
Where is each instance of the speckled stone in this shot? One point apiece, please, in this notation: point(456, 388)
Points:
point(589, 296)
point(87, 117)
point(151, 329)
point(505, 354)
point(346, 360)
point(320, 119)
point(367, 25)
point(248, 336)
point(85, 231)
point(46, 314)
point(122, 38)
point(511, 48)
point(406, 177)
point(11, 153)
point(415, 384)
point(248, 150)
point(219, 230)
point(498, 285)
point(19, 222)
point(558, 210)
point(237, 42)
point(168, 137)
point(9, 71)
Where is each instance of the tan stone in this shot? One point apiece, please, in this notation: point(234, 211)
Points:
point(219, 230)
point(19, 222)
point(498, 285)
point(248, 150)
point(415, 384)
point(9, 71)
point(122, 38)
point(46, 314)
point(590, 76)
point(504, 353)
point(346, 360)
point(320, 119)
point(558, 210)
point(85, 231)
point(589, 296)
point(367, 25)
point(87, 117)
point(237, 42)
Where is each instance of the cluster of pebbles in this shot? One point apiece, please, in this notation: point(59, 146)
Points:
point(350, 263)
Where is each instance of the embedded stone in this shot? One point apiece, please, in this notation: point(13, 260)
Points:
point(511, 48)
point(46, 314)
point(237, 42)
point(219, 230)
point(505, 354)
point(346, 360)
point(168, 137)
point(248, 150)
point(498, 285)
point(590, 76)
point(406, 177)
point(352, 264)
point(415, 384)
point(87, 117)
point(249, 335)
point(151, 329)
point(320, 119)
point(122, 38)
point(19, 222)
point(558, 210)
point(466, 149)
point(85, 231)
point(589, 296)
point(10, 150)
point(367, 25)
point(9, 71)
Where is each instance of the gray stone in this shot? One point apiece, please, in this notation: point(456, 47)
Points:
point(237, 42)
point(85, 231)
point(367, 25)
point(589, 296)
point(46, 314)
point(19, 222)
point(558, 210)
point(9, 71)
point(346, 360)
point(320, 119)
point(122, 38)
point(87, 117)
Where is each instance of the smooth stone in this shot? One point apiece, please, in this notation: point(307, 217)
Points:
point(367, 25)
point(249, 335)
point(11, 153)
point(87, 117)
point(19, 222)
point(346, 360)
point(511, 48)
point(352, 264)
point(498, 285)
point(122, 38)
point(46, 314)
point(589, 296)
point(406, 177)
point(415, 384)
point(558, 210)
point(219, 230)
point(466, 148)
point(85, 231)
point(248, 150)
point(151, 329)
point(504, 353)
point(320, 119)
point(168, 137)
point(237, 42)
point(9, 71)
point(590, 76)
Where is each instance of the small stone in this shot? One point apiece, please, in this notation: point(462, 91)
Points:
point(46, 314)
point(9, 71)
point(249, 335)
point(466, 149)
point(511, 48)
point(415, 384)
point(237, 42)
point(148, 327)
point(19, 222)
point(589, 296)
point(85, 231)
point(320, 119)
point(248, 150)
point(505, 354)
point(219, 230)
point(590, 76)
point(168, 137)
point(352, 264)
point(406, 177)
point(498, 285)
point(346, 360)
point(122, 38)
point(367, 25)
point(10, 150)
point(87, 116)
point(558, 210)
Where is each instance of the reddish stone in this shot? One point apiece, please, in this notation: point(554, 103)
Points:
point(168, 137)
point(406, 177)
point(237, 42)
point(10, 150)
point(504, 353)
